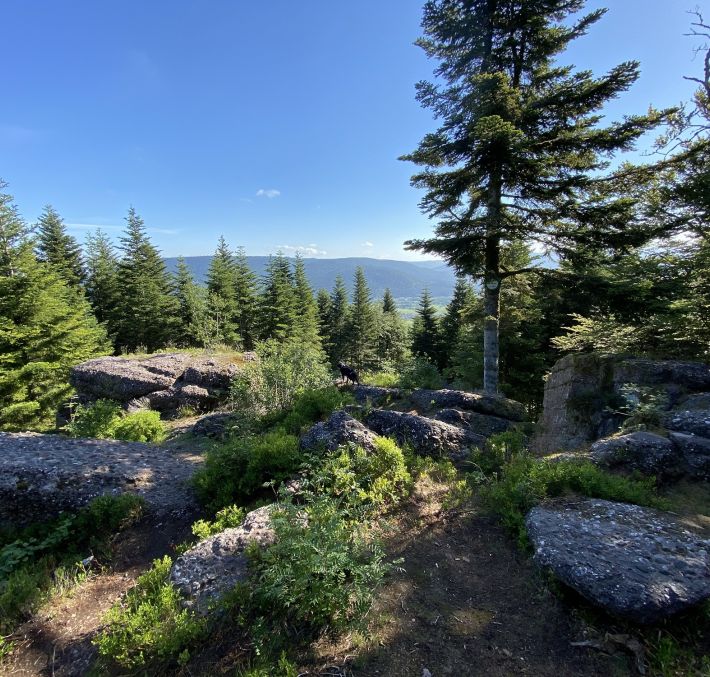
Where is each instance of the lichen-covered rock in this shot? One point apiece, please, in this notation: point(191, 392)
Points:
point(692, 421)
point(694, 454)
point(696, 401)
point(162, 382)
point(639, 451)
point(214, 566)
point(459, 399)
point(339, 429)
point(481, 424)
point(43, 475)
point(636, 563)
point(690, 376)
point(426, 436)
point(375, 395)
point(212, 425)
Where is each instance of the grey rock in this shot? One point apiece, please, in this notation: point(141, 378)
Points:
point(171, 400)
point(375, 395)
point(339, 429)
point(214, 566)
point(694, 421)
point(640, 451)
point(43, 475)
point(426, 436)
point(481, 424)
point(458, 399)
point(691, 376)
point(696, 401)
point(636, 563)
point(212, 425)
point(694, 452)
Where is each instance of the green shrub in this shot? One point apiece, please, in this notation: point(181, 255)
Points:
point(421, 373)
point(231, 516)
point(320, 573)
point(498, 450)
point(142, 426)
point(235, 471)
point(104, 419)
point(524, 482)
point(381, 379)
point(149, 627)
point(308, 407)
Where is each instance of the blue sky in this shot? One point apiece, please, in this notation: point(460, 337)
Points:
point(275, 123)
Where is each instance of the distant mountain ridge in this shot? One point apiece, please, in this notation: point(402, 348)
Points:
point(405, 279)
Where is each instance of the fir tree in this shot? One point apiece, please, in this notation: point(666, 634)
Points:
point(388, 304)
point(245, 294)
point(56, 247)
point(221, 285)
point(337, 322)
point(425, 336)
point(520, 152)
point(392, 339)
point(278, 301)
point(325, 305)
point(45, 329)
point(102, 287)
point(452, 320)
point(146, 308)
point(306, 325)
point(360, 332)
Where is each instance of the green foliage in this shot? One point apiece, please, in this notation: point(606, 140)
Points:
point(231, 516)
point(285, 369)
point(308, 407)
point(236, 470)
point(523, 482)
point(334, 329)
point(277, 306)
point(59, 249)
point(382, 379)
point(644, 406)
point(101, 286)
point(149, 628)
point(421, 373)
point(360, 327)
point(105, 419)
point(425, 332)
point(499, 450)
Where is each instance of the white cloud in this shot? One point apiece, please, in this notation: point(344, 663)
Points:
point(268, 192)
point(309, 250)
point(367, 243)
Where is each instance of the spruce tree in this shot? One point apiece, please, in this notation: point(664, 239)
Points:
point(146, 308)
point(278, 300)
point(221, 285)
point(102, 288)
point(337, 322)
point(245, 294)
point(45, 329)
point(392, 336)
point(56, 247)
point(452, 320)
point(388, 304)
point(425, 336)
point(306, 326)
point(520, 153)
point(360, 329)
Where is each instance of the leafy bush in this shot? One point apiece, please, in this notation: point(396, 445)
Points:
point(524, 482)
point(498, 450)
point(231, 516)
point(283, 371)
point(421, 373)
point(235, 471)
point(308, 407)
point(382, 379)
point(142, 426)
point(104, 419)
point(320, 573)
point(150, 627)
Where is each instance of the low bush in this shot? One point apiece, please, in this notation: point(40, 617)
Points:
point(524, 482)
point(308, 407)
point(149, 627)
point(235, 471)
point(105, 419)
point(231, 516)
point(421, 373)
point(498, 450)
point(382, 379)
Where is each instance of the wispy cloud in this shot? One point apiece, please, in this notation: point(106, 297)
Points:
point(306, 250)
point(268, 192)
point(96, 226)
point(367, 243)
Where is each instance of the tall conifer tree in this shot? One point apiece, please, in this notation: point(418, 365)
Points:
point(56, 247)
point(102, 287)
point(452, 321)
point(337, 322)
point(278, 301)
point(520, 152)
point(360, 325)
point(221, 285)
point(306, 309)
point(426, 339)
point(245, 293)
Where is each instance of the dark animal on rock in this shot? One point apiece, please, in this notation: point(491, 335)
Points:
point(348, 373)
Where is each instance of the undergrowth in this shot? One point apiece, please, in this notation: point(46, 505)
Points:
point(105, 419)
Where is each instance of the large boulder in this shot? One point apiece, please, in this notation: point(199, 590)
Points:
point(481, 424)
point(583, 395)
point(214, 566)
point(339, 429)
point(639, 451)
point(501, 407)
point(694, 454)
point(44, 475)
point(636, 563)
point(375, 395)
point(426, 436)
point(162, 382)
point(692, 421)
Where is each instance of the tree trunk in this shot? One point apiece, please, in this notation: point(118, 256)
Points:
point(491, 291)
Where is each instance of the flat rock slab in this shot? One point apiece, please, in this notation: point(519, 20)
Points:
point(645, 452)
point(339, 429)
point(459, 399)
point(694, 453)
point(426, 436)
point(636, 563)
point(692, 421)
point(43, 475)
point(481, 424)
point(214, 566)
point(375, 395)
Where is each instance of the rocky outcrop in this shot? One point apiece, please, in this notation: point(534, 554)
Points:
point(584, 393)
point(214, 566)
point(501, 407)
point(640, 452)
point(693, 421)
point(162, 382)
point(212, 425)
point(339, 429)
point(375, 395)
point(480, 424)
point(694, 455)
point(426, 436)
point(44, 475)
point(636, 563)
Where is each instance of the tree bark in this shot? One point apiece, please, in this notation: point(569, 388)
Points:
point(491, 290)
